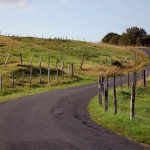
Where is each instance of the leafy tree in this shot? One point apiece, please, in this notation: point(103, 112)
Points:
point(108, 37)
point(133, 36)
point(133, 33)
point(146, 40)
point(124, 40)
point(139, 41)
point(115, 39)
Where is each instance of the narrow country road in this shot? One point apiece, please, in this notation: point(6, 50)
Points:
point(57, 120)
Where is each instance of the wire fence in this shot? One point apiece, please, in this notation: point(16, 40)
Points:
point(132, 100)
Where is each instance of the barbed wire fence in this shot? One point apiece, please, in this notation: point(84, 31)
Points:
point(126, 103)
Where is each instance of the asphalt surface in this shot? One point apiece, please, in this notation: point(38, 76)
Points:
point(57, 120)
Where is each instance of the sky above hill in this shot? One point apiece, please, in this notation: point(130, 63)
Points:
point(76, 19)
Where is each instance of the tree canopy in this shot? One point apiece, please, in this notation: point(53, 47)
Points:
point(133, 36)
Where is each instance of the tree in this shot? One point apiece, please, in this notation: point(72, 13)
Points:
point(133, 36)
point(139, 41)
point(115, 39)
point(108, 37)
point(124, 40)
point(134, 33)
point(146, 40)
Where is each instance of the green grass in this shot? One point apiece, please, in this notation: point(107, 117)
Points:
point(137, 129)
point(67, 51)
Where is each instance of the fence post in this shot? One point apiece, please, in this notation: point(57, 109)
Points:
point(101, 62)
point(128, 80)
point(72, 70)
point(100, 90)
point(31, 60)
point(20, 59)
point(82, 63)
point(7, 59)
point(40, 61)
point(30, 76)
point(115, 98)
point(0, 82)
point(62, 67)
point(106, 94)
point(132, 96)
point(102, 84)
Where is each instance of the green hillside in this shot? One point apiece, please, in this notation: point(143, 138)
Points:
point(99, 59)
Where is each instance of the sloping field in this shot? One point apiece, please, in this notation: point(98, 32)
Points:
point(98, 59)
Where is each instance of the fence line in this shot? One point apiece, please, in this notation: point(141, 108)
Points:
point(14, 82)
point(113, 100)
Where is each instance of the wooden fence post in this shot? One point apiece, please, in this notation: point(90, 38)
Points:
point(30, 76)
point(101, 62)
point(142, 74)
point(132, 96)
point(82, 63)
point(1, 83)
point(7, 59)
point(49, 70)
point(115, 98)
point(72, 70)
point(31, 60)
point(100, 90)
point(62, 69)
point(40, 61)
point(102, 84)
point(106, 94)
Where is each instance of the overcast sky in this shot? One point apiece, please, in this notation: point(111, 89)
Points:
point(89, 19)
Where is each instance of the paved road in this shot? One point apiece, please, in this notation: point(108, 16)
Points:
point(57, 120)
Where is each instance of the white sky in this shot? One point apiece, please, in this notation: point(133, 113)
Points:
point(89, 19)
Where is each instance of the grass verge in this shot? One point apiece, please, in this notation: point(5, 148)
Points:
point(137, 129)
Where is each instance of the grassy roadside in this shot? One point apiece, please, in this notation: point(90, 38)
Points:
point(139, 128)
point(7, 95)
point(67, 51)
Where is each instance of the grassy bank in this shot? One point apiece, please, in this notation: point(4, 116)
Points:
point(96, 63)
point(139, 128)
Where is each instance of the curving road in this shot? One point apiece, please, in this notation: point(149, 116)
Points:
point(57, 120)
